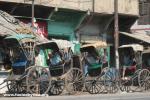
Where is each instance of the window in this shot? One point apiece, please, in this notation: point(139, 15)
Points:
point(144, 11)
point(143, 7)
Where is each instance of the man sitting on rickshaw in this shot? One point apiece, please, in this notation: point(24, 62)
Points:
point(67, 54)
point(92, 61)
point(128, 64)
point(54, 58)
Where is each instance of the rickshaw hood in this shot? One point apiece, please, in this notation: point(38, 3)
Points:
point(20, 36)
point(136, 47)
point(95, 44)
point(62, 44)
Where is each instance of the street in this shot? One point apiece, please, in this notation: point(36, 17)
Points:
point(122, 96)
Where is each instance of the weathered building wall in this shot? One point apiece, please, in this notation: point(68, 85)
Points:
point(124, 6)
point(129, 6)
point(100, 6)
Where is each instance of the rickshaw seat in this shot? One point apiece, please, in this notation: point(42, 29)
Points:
point(52, 67)
point(130, 71)
point(61, 64)
point(95, 66)
point(56, 70)
point(19, 67)
point(19, 64)
point(94, 69)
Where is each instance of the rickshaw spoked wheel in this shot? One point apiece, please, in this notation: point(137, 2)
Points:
point(11, 86)
point(111, 80)
point(57, 87)
point(94, 85)
point(38, 80)
point(143, 78)
point(74, 81)
point(147, 84)
point(125, 85)
point(15, 87)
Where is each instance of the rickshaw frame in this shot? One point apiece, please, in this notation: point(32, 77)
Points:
point(140, 76)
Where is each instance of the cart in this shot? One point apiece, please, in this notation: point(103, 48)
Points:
point(144, 80)
point(95, 60)
point(67, 76)
point(25, 76)
point(134, 75)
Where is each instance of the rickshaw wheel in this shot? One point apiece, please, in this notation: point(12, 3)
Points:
point(143, 78)
point(74, 81)
point(112, 80)
point(57, 87)
point(11, 86)
point(130, 84)
point(125, 86)
point(38, 80)
point(94, 85)
point(147, 84)
point(15, 87)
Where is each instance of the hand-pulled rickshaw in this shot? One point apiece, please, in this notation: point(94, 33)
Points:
point(35, 68)
point(145, 83)
point(25, 76)
point(66, 74)
point(133, 74)
point(95, 60)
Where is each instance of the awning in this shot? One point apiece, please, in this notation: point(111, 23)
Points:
point(64, 22)
point(138, 36)
point(10, 26)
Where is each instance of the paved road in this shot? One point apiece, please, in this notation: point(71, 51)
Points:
point(124, 96)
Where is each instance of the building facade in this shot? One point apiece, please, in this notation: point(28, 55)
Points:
point(98, 6)
point(144, 11)
point(76, 19)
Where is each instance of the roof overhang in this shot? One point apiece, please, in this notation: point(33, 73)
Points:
point(139, 36)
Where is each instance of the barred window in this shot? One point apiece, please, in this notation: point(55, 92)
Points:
point(144, 11)
point(143, 7)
